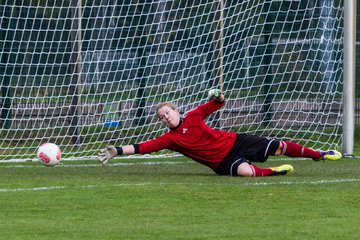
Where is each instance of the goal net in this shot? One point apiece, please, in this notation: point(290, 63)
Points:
point(85, 74)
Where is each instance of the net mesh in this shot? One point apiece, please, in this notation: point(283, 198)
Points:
point(84, 74)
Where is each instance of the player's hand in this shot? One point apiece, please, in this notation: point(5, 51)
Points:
point(214, 93)
point(107, 154)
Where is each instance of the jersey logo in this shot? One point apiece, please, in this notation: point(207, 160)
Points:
point(184, 130)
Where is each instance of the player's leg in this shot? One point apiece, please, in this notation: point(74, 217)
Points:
point(250, 148)
point(246, 169)
point(292, 149)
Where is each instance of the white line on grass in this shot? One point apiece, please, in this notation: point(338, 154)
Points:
point(99, 164)
point(318, 182)
point(303, 182)
point(7, 165)
point(31, 189)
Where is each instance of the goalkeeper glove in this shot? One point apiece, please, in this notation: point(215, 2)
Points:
point(107, 154)
point(213, 93)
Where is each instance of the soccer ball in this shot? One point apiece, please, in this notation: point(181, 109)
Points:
point(49, 154)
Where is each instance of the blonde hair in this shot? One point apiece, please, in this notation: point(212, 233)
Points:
point(169, 104)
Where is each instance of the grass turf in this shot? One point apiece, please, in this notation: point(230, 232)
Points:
point(178, 199)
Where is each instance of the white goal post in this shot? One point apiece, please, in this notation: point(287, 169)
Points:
point(84, 74)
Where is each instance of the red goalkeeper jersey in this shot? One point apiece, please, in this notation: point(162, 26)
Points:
point(194, 139)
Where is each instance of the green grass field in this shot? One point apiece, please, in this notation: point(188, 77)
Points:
point(176, 198)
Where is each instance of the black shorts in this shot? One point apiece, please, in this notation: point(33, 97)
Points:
point(247, 148)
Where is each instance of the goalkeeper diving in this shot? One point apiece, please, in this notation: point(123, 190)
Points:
point(226, 153)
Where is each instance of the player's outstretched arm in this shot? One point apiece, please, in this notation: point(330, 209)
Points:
point(216, 95)
point(111, 151)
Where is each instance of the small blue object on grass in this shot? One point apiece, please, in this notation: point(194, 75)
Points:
point(112, 123)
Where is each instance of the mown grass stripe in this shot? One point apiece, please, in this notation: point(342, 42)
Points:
point(318, 182)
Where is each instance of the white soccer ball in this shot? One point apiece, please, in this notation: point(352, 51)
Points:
point(49, 154)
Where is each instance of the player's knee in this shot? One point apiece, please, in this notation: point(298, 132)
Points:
point(280, 149)
point(244, 170)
